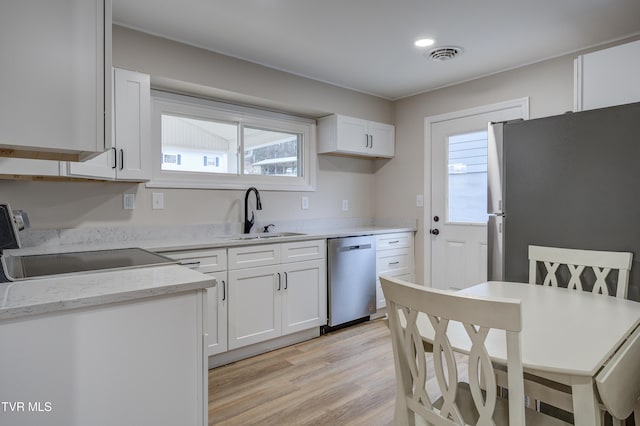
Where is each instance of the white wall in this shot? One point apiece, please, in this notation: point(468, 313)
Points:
point(549, 86)
point(95, 204)
point(381, 188)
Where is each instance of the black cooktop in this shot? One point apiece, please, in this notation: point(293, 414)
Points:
point(36, 266)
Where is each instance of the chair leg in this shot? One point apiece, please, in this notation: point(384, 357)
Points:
point(616, 422)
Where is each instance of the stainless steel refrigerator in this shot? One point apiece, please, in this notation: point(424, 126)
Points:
point(571, 180)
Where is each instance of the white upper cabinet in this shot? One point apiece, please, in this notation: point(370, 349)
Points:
point(340, 134)
point(16, 168)
point(130, 157)
point(55, 82)
point(607, 77)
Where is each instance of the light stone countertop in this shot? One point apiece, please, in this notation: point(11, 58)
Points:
point(47, 295)
point(234, 241)
point(38, 296)
point(192, 242)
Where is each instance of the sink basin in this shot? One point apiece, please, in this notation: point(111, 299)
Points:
point(265, 235)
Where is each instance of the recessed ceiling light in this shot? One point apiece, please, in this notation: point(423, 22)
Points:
point(424, 42)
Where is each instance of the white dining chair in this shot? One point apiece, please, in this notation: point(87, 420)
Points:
point(410, 307)
point(602, 263)
point(575, 263)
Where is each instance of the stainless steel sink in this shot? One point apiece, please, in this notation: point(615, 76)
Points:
point(265, 235)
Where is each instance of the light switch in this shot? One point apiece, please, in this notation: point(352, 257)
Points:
point(304, 203)
point(419, 200)
point(345, 205)
point(157, 200)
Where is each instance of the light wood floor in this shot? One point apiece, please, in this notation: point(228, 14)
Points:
point(343, 378)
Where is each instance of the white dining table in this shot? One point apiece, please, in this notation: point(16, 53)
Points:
point(567, 336)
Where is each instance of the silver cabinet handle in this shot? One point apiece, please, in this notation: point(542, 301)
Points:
point(366, 140)
point(371, 141)
point(194, 263)
point(394, 263)
point(279, 281)
point(286, 280)
point(224, 290)
point(394, 242)
point(121, 159)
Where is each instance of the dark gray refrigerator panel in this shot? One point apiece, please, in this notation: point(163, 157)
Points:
point(573, 181)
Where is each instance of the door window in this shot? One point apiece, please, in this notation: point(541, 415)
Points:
point(467, 178)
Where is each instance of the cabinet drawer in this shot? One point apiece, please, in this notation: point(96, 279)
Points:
point(202, 260)
point(393, 241)
point(303, 250)
point(250, 256)
point(389, 260)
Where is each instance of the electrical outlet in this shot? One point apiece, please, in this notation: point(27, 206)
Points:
point(419, 200)
point(305, 203)
point(129, 201)
point(157, 200)
point(345, 205)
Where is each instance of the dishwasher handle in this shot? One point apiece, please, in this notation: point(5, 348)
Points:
point(355, 247)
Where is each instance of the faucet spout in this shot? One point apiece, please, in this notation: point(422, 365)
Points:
point(248, 223)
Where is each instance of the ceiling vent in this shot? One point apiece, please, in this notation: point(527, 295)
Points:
point(446, 53)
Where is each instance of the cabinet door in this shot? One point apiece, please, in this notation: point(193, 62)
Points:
point(132, 126)
point(53, 76)
point(607, 77)
point(382, 142)
point(217, 315)
point(101, 167)
point(303, 250)
point(393, 241)
point(252, 256)
point(304, 295)
point(24, 166)
point(254, 310)
point(352, 135)
point(130, 158)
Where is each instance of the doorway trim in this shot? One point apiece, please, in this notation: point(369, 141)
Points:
point(522, 103)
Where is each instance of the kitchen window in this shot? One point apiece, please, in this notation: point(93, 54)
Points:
point(200, 143)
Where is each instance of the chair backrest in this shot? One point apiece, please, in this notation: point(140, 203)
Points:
point(575, 260)
point(618, 382)
point(412, 308)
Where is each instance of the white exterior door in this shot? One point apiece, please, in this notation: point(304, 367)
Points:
point(458, 220)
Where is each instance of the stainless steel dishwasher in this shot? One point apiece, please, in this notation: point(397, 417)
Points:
point(351, 265)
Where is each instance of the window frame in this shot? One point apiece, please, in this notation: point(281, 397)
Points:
point(194, 107)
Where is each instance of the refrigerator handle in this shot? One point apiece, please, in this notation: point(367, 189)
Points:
point(495, 252)
point(495, 167)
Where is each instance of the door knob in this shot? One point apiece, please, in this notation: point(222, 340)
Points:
point(434, 231)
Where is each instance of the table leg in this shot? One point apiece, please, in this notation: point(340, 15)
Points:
point(586, 409)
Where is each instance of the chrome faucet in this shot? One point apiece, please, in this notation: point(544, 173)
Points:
point(248, 223)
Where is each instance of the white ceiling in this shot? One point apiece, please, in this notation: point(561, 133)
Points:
point(367, 45)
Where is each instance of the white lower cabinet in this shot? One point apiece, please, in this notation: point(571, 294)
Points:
point(212, 262)
point(217, 314)
point(284, 297)
point(135, 362)
point(268, 291)
point(394, 257)
point(254, 305)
